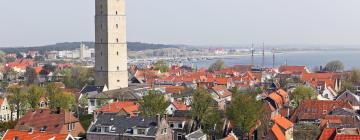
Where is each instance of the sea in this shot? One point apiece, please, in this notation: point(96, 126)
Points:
point(311, 59)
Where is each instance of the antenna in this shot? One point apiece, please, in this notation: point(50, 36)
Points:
point(273, 52)
point(263, 56)
point(252, 54)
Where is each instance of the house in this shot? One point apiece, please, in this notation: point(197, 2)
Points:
point(131, 93)
point(110, 126)
point(321, 80)
point(282, 129)
point(126, 108)
point(177, 105)
point(340, 134)
point(5, 111)
point(280, 99)
point(295, 70)
point(196, 135)
point(19, 65)
point(221, 93)
point(314, 110)
point(91, 88)
point(221, 96)
point(12, 134)
point(340, 121)
point(327, 93)
point(46, 120)
point(350, 97)
point(181, 123)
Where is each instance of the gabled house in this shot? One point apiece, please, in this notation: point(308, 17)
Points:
point(5, 112)
point(46, 120)
point(280, 99)
point(181, 123)
point(282, 129)
point(220, 93)
point(327, 93)
point(350, 97)
point(34, 135)
point(116, 127)
point(311, 111)
point(177, 105)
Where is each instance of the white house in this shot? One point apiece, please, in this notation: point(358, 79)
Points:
point(5, 111)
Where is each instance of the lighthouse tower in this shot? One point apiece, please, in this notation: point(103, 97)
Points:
point(110, 44)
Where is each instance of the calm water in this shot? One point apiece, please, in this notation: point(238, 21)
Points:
point(311, 59)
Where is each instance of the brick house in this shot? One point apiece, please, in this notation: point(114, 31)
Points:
point(46, 120)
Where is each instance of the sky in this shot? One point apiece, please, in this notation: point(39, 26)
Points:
point(191, 22)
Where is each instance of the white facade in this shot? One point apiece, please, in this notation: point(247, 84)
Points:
point(110, 44)
point(5, 111)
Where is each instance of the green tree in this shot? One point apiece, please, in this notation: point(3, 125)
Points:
point(58, 97)
point(213, 124)
point(17, 98)
point(244, 112)
point(34, 95)
point(217, 65)
point(302, 93)
point(19, 55)
point(201, 103)
point(153, 103)
point(2, 57)
point(334, 66)
point(162, 66)
point(30, 75)
point(77, 77)
point(39, 58)
point(10, 59)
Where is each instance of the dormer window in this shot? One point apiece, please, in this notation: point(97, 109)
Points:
point(129, 131)
point(112, 129)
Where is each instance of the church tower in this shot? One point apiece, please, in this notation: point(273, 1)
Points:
point(110, 44)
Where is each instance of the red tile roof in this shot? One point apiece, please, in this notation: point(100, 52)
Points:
point(20, 63)
point(180, 105)
point(277, 132)
point(221, 91)
point(174, 89)
point(283, 122)
point(115, 107)
point(45, 117)
point(327, 133)
point(25, 135)
point(1, 100)
point(293, 69)
point(317, 109)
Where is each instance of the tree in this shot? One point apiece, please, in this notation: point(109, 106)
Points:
point(217, 65)
point(334, 66)
point(34, 95)
point(39, 58)
point(77, 77)
point(10, 59)
point(201, 103)
point(19, 55)
point(153, 103)
point(302, 93)
point(30, 75)
point(17, 98)
point(2, 57)
point(162, 66)
point(59, 99)
point(213, 124)
point(244, 112)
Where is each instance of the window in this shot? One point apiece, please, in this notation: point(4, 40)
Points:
point(118, 81)
point(164, 131)
point(117, 40)
point(116, 13)
point(92, 102)
point(171, 125)
point(71, 126)
point(314, 110)
point(100, 53)
point(101, 26)
point(101, 68)
point(0, 117)
point(106, 129)
point(141, 131)
point(117, 26)
point(179, 136)
point(112, 129)
point(118, 68)
point(180, 125)
point(117, 53)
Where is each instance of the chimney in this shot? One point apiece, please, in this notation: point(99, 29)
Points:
point(158, 117)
